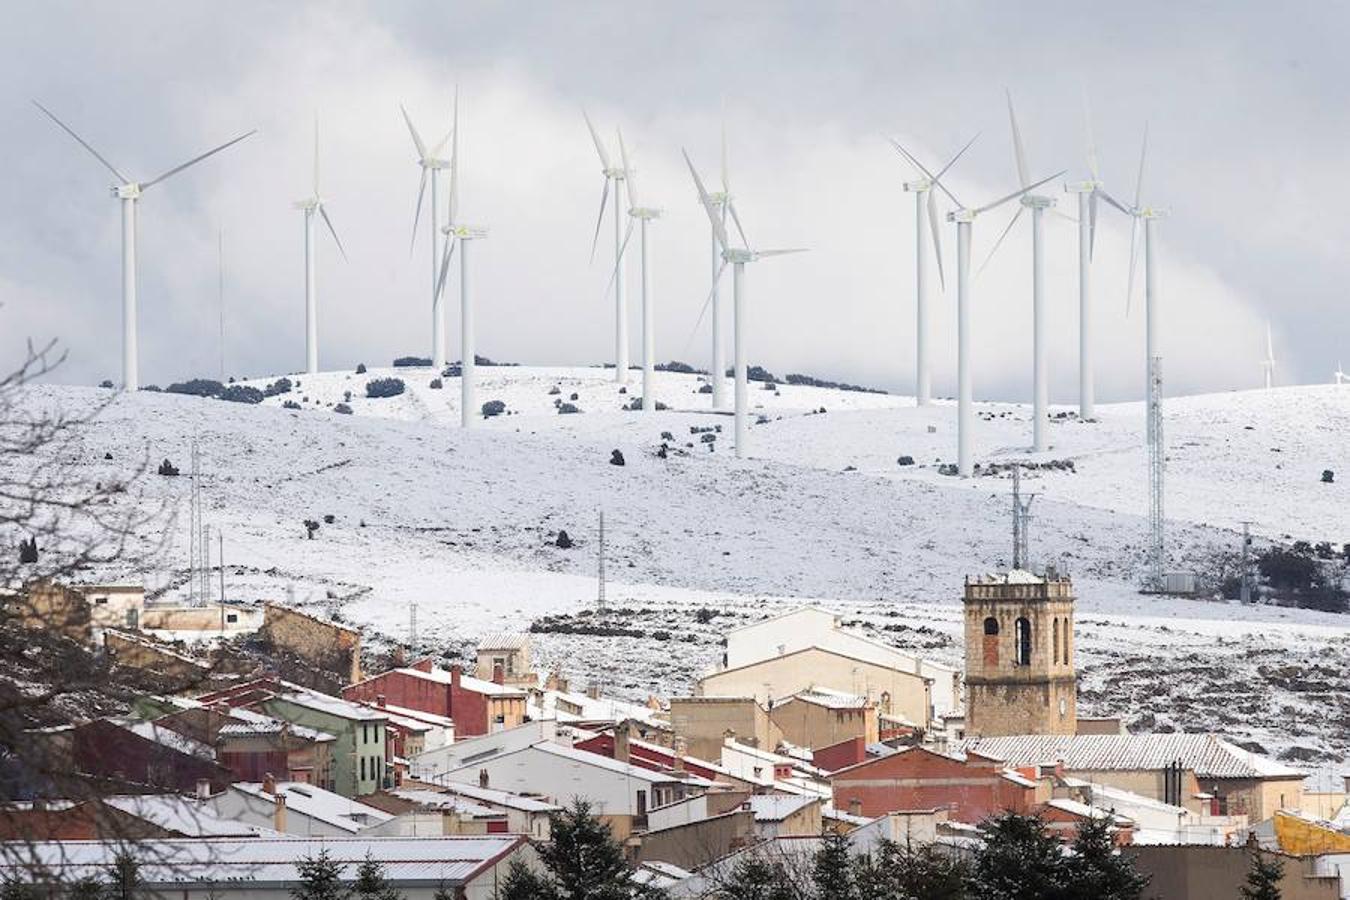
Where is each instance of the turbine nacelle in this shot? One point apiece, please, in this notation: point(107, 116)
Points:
point(919, 187)
point(1037, 201)
point(962, 215)
point(130, 191)
point(646, 213)
point(465, 232)
point(1083, 187)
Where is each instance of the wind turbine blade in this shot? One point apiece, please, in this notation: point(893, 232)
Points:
point(618, 261)
point(927, 174)
point(197, 159)
point(316, 156)
point(1129, 285)
point(999, 243)
point(707, 302)
point(1018, 150)
point(1270, 345)
point(595, 136)
point(1092, 223)
point(417, 216)
point(417, 138)
point(323, 211)
point(627, 172)
point(1114, 202)
point(726, 177)
point(599, 220)
point(782, 252)
point(450, 242)
point(1093, 168)
point(454, 162)
point(1056, 211)
point(934, 226)
point(1015, 194)
point(1139, 183)
point(959, 154)
point(82, 142)
point(719, 229)
point(736, 218)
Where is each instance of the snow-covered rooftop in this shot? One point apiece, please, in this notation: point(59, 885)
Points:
point(1209, 755)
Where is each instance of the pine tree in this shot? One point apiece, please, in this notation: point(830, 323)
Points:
point(371, 883)
point(17, 890)
point(320, 879)
point(1020, 861)
point(125, 877)
point(522, 884)
point(87, 888)
point(1263, 877)
point(1100, 871)
point(756, 878)
point(923, 873)
point(833, 871)
point(583, 862)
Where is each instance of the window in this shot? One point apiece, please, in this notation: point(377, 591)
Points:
point(232, 617)
point(1023, 646)
point(100, 601)
point(1068, 630)
point(991, 643)
point(1055, 643)
point(363, 768)
point(641, 803)
point(991, 626)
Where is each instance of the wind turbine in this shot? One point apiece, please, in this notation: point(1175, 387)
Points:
point(1087, 192)
point(431, 164)
point(725, 204)
point(311, 205)
point(643, 215)
point(926, 220)
point(1148, 215)
point(1340, 375)
point(458, 233)
point(1268, 364)
point(616, 175)
point(964, 217)
point(129, 192)
point(737, 257)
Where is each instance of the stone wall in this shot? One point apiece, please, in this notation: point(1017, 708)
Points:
point(325, 645)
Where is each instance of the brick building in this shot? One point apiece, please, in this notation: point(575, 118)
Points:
point(476, 706)
point(972, 788)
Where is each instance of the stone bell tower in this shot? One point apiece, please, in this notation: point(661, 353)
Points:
point(1019, 655)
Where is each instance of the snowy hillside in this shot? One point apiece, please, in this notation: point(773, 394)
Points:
point(463, 523)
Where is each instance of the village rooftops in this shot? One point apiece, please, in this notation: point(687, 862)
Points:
point(446, 802)
point(247, 723)
point(183, 815)
point(166, 737)
point(599, 761)
point(1208, 755)
point(316, 803)
point(169, 865)
point(830, 699)
point(504, 641)
point(777, 807)
point(333, 706)
point(467, 682)
point(507, 799)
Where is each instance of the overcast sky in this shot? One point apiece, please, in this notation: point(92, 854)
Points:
point(1245, 103)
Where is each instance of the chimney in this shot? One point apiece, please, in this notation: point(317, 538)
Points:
point(203, 789)
point(593, 691)
point(269, 784)
point(855, 807)
point(379, 700)
point(456, 673)
point(279, 814)
point(621, 742)
point(498, 674)
point(483, 778)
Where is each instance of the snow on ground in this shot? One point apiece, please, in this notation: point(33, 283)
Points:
point(463, 524)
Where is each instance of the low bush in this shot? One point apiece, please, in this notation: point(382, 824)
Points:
point(360, 368)
point(384, 387)
point(280, 386)
point(241, 393)
point(435, 384)
point(493, 408)
point(197, 387)
point(406, 362)
point(343, 409)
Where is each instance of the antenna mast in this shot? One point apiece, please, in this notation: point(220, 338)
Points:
point(1156, 466)
point(1021, 522)
point(412, 628)
point(194, 527)
point(1246, 582)
point(600, 597)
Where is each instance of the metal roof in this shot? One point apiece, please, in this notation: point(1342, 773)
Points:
point(777, 807)
point(1208, 755)
point(504, 641)
point(317, 803)
point(188, 817)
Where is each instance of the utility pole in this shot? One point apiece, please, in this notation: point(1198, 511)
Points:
point(220, 296)
point(412, 628)
point(1246, 584)
point(600, 598)
point(220, 560)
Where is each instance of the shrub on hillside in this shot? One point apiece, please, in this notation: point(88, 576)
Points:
point(105, 383)
point(568, 409)
point(360, 368)
point(280, 386)
point(197, 387)
point(290, 404)
point(493, 408)
point(435, 384)
point(343, 409)
point(241, 393)
point(384, 387)
point(405, 362)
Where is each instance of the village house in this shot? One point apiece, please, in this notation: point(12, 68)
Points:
point(291, 807)
point(476, 706)
point(973, 787)
point(505, 659)
point(811, 626)
point(821, 717)
point(621, 794)
point(252, 745)
point(432, 765)
point(79, 612)
point(702, 724)
point(1202, 772)
point(896, 692)
point(134, 753)
point(524, 815)
point(360, 755)
point(431, 811)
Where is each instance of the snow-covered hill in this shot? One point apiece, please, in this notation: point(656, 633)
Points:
point(463, 524)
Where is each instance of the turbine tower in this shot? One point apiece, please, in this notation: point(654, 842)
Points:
point(725, 204)
point(926, 220)
point(737, 258)
point(1038, 204)
point(1148, 215)
point(1087, 192)
point(616, 175)
point(1339, 374)
point(311, 205)
point(643, 215)
point(129, 192)
point(459, 233)
point(432, 163)
point(964, 217)
point(1268, 364)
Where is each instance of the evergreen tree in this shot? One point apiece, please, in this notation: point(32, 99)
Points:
point(923, 873)
point(445, 893)
point(320, 879)
point(756, 878)
point(17, 890)
point(125, 877)
point(1098, 870)
point(371, 883)
point(1020, 861)
point(583, 862)
point(1263, 877)
point(522, 884)
point(87, 888)
point(833, 871)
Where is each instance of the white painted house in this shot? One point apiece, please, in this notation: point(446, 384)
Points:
point(811, 626)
